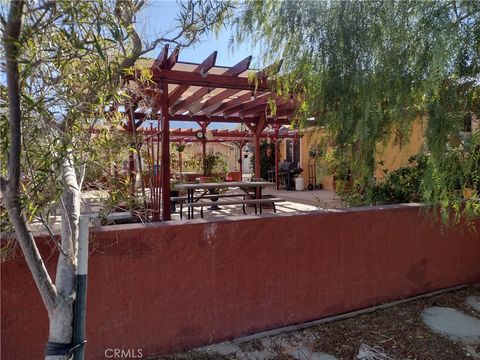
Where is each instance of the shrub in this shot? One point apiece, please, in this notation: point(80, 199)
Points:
point(402, 185)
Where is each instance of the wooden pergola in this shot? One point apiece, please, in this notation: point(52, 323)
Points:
point(238, 138)
point(207, 93)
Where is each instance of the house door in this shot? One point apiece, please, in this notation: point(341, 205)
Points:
point(292, 151)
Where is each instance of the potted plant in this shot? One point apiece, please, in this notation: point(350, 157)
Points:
point(180, 148)
point(208, 165)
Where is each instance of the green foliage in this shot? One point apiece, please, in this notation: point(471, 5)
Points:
point(449, 176)
point(117, 197)
point(180, 148)
point(8, 241)
point(188, 163)
point(215, 164)
point(193, 164)
point(72, 57)
point(109, 150)
point(402, 185)
point(365, 68)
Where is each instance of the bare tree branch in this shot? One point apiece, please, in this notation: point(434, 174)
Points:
point(12, 193)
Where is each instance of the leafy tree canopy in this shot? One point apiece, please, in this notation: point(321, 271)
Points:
point(365, 68)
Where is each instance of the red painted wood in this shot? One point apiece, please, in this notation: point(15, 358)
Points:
point(200, 93)
point(165, 166)
point(212, 80)
point(184, 104)
point(285, 110)
point(219, 137)
point(162, 58)
point(200, 70)
point(260, 100)
point(269, 70)
point(257, 110)
point(173, 58)
point(230, 119)
point(240, 67)
point(257, 157)
point(207, 64)
point(240, 100)
point(217, 99)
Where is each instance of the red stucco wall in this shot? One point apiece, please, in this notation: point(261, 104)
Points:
point(170, 286)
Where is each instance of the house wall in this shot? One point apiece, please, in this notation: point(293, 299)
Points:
point(394, 156)
point(391, 153)
point(175, 285)
point(310, 137)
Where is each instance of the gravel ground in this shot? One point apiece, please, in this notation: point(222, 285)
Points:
point(398, 330)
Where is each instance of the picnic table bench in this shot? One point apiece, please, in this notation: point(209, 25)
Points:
point(181, 200)
point(243, 202)
point(252, 194)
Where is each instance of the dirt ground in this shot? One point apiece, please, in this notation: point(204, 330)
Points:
point(398, 330)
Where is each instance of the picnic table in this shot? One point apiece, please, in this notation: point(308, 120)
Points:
point(251, 189)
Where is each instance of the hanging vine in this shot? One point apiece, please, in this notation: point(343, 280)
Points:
point(368, 68)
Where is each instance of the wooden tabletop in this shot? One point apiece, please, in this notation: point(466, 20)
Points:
point(224, 185)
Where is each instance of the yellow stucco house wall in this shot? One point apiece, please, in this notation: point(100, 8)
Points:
point(391, 155)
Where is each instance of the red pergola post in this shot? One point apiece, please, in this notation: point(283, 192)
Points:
point(277, 185)
point(204, 152)
point(275, 142)
point(180, 160)
point(131, 155)
point(257, 156)
point(203, 126)
point(240, 147)
point(240, 144)
point(165, 165)
point(258, 129)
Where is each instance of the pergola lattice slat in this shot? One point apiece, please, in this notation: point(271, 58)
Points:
point(261, 100)
point(201, 69)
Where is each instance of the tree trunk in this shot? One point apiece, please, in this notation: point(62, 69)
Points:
point(61, 317)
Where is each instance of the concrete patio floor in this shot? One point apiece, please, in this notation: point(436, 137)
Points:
point(296, 201)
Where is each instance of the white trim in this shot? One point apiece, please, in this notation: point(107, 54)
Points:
point(82, 252)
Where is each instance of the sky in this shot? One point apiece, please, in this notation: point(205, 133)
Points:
point(160, 16)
